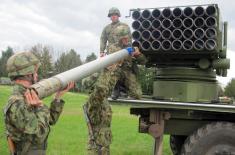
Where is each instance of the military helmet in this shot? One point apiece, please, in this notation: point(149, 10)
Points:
point(114, 10)
point(21, 64)
point(123, 31)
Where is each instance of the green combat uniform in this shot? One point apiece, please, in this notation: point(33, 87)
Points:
point(98, 108)
point(109, 33)
point(29, 126)
point(26, 125)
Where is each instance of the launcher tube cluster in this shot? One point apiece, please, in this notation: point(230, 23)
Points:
point(185, 28)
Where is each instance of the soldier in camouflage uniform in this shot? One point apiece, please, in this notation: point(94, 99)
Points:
point(98, 108)
point(27, 119)
point(108, 36)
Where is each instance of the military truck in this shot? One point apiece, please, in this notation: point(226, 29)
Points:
point(187, 47)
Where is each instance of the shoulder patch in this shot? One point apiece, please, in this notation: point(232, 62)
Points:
point(11, 101)
point(108, 26)
point(15, 98)
point(124, 24)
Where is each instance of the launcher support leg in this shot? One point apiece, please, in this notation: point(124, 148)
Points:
point(156, 130)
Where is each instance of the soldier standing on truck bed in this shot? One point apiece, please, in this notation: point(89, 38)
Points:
point(98, 110)
point(27, 119)
point(108, 36)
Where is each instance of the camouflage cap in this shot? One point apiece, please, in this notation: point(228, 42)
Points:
point(122, 32)
point(21, 64)
point(114, 10)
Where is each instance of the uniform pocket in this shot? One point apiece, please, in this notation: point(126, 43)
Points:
point(104, 137)
point(106, 114)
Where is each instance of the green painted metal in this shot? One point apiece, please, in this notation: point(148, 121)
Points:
point(185, 73)
point(167, 105)
point(185, 121)
point(186, 91)
point(185, 84)
point(221, 63)
point(223, 52)
point(204, 63)
point(183, 127)
point(219, 29)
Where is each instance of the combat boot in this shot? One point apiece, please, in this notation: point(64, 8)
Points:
point(115, 93)
point(98, 151)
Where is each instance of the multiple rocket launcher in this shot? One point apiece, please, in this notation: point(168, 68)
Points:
point(184, 36)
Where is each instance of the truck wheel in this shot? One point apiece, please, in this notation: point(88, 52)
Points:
point(176, 143)
point(216, 138)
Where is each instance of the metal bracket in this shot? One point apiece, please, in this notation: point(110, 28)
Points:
point(156, 130)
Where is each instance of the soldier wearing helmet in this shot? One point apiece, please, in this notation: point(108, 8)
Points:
point(27, 119)
point(99, 109)
point(129, 65)
point(108, 36)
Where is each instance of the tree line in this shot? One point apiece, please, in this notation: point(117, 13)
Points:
point(52, 62)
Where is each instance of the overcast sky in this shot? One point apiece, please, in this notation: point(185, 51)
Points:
point(77, 24)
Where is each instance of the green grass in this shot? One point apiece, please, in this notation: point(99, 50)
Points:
point(69, 135)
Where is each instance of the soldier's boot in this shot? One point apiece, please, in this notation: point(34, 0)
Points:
point(105, 151)
point(91, 148)
point(98, 151)
point(92, 152)
point(123, 92)
point(115, 93)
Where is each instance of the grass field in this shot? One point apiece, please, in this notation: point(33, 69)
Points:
point(69, 135)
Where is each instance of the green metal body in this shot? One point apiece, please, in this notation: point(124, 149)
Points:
point(182, 121)
point(185, 84)
point(185, 117)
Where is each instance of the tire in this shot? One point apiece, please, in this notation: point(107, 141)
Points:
point(176, 143)
point(216, 138)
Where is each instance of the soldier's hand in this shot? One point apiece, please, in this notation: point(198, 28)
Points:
point(32, 98)
point(112, 67)
point(60, 93)
point(137, 52)
point(102, 54)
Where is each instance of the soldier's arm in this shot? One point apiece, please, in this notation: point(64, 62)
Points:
point(56, 109)
point(140, 58)
point(103, 40)
point(57, 104)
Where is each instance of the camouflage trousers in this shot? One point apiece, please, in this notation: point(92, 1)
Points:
point(99, 109)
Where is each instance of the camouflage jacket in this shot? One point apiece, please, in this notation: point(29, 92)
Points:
point(26, 124)
point(110, 35)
